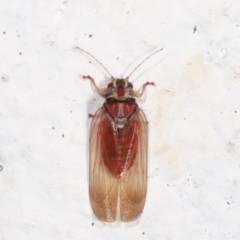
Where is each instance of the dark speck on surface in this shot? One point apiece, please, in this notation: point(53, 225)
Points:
point(4, 77)
point(92, 224)
point(63, 135)
point(194, 29)
point(90, 35)
point(4, 32)
point(1, 168)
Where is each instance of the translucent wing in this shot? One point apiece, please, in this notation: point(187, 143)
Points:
point(103, 185)
point(133, 183)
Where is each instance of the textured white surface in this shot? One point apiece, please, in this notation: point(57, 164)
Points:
point(193, 113)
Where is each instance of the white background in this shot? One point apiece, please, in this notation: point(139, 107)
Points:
point(193, 114)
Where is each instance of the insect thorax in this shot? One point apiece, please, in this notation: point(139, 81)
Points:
point(120, 89)
point(120, 111)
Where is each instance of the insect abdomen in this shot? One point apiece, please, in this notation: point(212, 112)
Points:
point(119, 152)
point(119, 141)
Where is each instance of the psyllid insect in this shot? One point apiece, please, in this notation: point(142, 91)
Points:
point(118, 151)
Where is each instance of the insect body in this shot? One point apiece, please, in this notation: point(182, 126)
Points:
point(118, 152)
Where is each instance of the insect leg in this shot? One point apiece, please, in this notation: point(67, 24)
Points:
point(140, 93)
point(102, 91)
point(90, 115)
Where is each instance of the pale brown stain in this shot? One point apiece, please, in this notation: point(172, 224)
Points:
point(162, 145)
point(170, 108)
point(235, 77)
point(195, 73)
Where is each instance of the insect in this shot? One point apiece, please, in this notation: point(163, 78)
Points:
point(118, 151)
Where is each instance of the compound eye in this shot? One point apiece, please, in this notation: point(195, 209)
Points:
point(110, 85)
point(130, 85)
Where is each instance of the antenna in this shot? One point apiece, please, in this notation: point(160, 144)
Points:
point(96, 60)
point(143, 62)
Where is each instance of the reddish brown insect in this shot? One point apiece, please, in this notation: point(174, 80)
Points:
point(118, 151)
